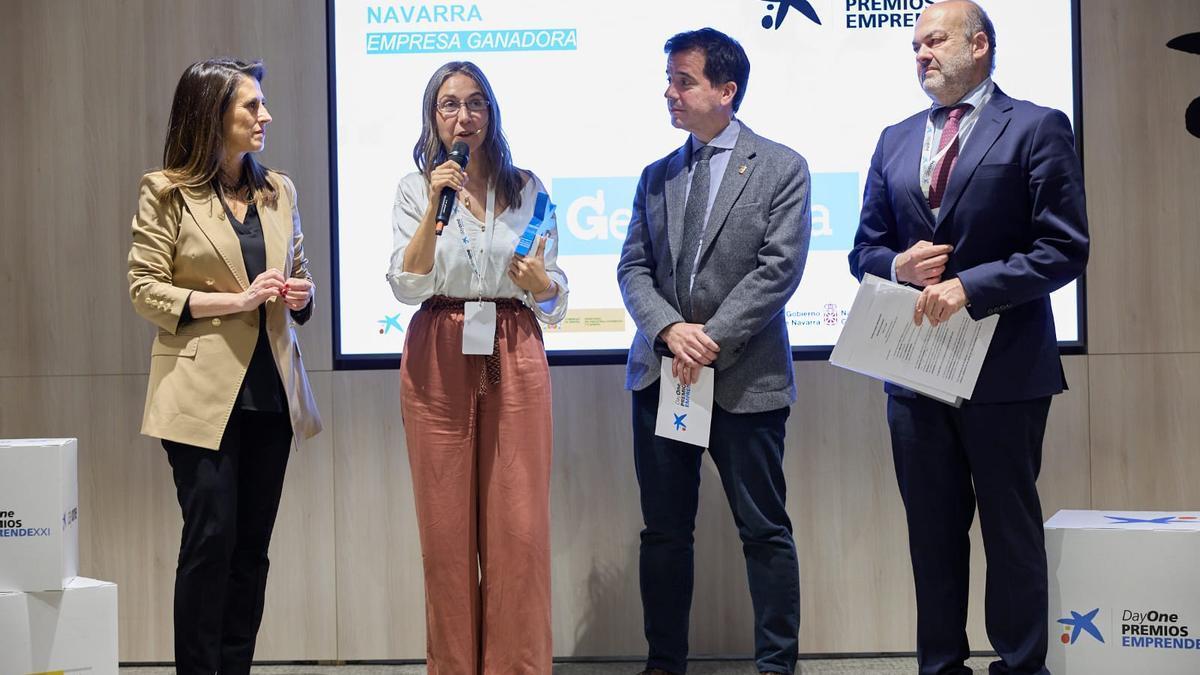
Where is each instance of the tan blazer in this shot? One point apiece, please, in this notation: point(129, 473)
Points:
point(196, 369)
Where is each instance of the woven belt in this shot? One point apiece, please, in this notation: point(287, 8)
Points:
point(491, 370)
point(440, 303)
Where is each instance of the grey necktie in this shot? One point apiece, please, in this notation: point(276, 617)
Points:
point(694, 214)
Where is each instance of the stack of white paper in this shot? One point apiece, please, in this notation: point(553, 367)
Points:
point(880, 340)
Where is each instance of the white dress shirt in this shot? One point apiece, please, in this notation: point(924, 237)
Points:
point(977, 98)
point(491, 246)
point(939, 114)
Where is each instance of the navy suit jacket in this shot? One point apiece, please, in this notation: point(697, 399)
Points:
point(1014, 212)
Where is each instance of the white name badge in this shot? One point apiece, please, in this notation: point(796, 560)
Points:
point(479, 327)
point(685, 411)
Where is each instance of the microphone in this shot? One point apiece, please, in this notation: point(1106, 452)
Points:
point(460, 153)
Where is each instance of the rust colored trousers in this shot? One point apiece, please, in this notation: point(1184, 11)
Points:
point(480, 453)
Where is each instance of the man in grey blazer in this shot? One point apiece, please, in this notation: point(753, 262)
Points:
point(715, 248)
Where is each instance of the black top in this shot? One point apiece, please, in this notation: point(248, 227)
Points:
point(262, 389)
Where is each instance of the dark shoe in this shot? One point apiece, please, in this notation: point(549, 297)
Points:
point(656, 671)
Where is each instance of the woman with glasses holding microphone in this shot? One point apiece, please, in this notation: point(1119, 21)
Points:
point(475, 385)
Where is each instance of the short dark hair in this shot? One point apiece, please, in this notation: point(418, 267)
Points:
point(977, 21)
point(724, 59)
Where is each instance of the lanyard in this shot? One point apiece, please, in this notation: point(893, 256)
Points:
point(963, 126)
point(489, 227)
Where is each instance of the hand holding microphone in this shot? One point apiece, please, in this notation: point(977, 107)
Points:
point(447, 180)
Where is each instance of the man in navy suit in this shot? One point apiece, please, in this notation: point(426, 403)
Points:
point(978, 201)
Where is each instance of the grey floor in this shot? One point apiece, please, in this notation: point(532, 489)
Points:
point(881, 666)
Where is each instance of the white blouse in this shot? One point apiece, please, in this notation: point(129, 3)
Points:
point(452, 274)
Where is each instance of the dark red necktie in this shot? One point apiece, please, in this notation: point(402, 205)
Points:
point(941, 172)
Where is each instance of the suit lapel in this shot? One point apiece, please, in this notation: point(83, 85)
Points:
point(206, 209)
point(275, 223)
point(732, 184)
point(992, 120)
point(676, 188)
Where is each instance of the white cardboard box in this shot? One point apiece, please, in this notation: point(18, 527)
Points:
point(39, 513)
point(1124, 592)
point(68, 631)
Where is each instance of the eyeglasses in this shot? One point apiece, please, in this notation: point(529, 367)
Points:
point(449, 107)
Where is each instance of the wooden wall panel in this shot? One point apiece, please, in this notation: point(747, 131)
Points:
point(1145, 431)
point(56, 254)
point(846, 512)
point(85, 95)
point(129, 520)
point(595, 515)
point(1142, 171)
point(300, 619)
point(380, 592)
point(1067, 465)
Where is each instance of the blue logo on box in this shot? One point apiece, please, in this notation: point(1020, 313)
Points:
point(835, 210)
point(593, 214)
point(1162, 520)
point(1076, 623)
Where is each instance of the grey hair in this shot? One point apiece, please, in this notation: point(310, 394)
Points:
point(429, 153)
point(975, 20)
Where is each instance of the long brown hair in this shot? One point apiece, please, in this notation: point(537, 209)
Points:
point(429, 152)
point(195, 145)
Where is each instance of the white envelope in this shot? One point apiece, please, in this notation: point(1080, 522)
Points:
point(685, 412)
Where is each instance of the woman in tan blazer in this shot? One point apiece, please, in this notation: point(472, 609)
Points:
point(217, 264)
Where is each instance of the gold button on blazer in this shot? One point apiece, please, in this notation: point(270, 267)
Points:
point(196, 369)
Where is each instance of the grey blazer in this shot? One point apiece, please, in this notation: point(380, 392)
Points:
point(753, 254)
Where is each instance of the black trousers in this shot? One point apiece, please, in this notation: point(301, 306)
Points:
point(229, 499)
point(748, 452)
point(947, 461)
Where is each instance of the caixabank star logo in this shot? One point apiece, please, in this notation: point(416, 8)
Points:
point(1079, 623)
point(1162, 520)
point(781, 7)
point(388, 322)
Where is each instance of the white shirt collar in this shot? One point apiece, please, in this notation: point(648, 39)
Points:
point(974, 98)
point(727, 139)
